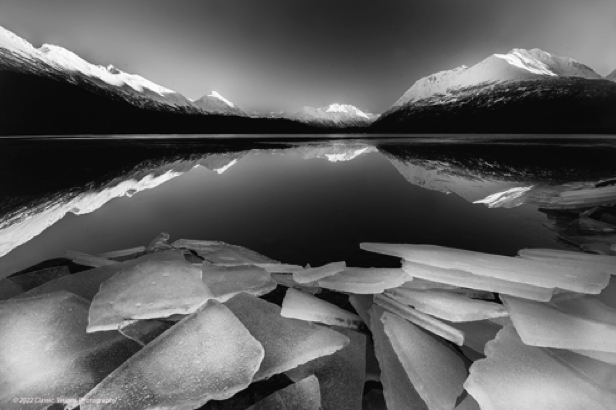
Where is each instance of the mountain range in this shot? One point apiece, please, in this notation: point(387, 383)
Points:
point(51, 90)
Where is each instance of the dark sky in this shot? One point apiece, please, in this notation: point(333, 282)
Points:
point(271, 55)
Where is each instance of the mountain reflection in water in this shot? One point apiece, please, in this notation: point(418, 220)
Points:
point(295, 201)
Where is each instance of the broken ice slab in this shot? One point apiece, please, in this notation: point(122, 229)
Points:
point(477, 334)
point(31, 280)
point(87, 283)
point(279, 267)
point(362, 305)
point(436, 372)
point(507, 268)
point(341, 375)
point(541, 324)
point(148, 290)
point(9, 289)
point(302, 306)
point(209, 355)
point(88, 260)
point(583, 198)
point(144, 331)
point(303, 395)
point(470, 280)
point(225, 282)
point(159, 244)
point(123, 254)
point(287, 342)
point(46, 353)
point(515, 376)
point(607, 249)
point(314, 274)
point(420, 319)
point(600, 373)
point(583, 260)
point(399, 392)
point(423, 284)
point(286, 279)
point(222, 253)
point(590, 226)
point(448, 306)
point(365, 280)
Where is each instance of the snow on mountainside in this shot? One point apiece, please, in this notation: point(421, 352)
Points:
point(612, 76)
point(55, 60)
point(336, 115)
point(217, 103)
point(516, 65)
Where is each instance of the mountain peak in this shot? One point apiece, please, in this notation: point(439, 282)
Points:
point(221, 98)
point(611, 76)
point(517, 64)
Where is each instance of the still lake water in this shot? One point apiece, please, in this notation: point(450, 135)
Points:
point(294, 199)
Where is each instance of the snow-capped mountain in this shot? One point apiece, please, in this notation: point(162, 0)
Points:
point(523, 91)
point(518, 64)
point(55, 61)
point(611, 76)
point(217, 103)
point(334, 115)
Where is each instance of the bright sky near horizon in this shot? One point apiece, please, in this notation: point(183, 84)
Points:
point(274, 55)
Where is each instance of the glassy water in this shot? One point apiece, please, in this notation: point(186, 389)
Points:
point(293, 199)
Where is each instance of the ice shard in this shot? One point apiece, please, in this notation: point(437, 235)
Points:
point(530, 272)
point(225, 282)
point(341, 375)
point(314, 274)
point(87, 283)
point(144, 331)
point(286, 279)
point(88, 260)
point(469, 280)
point(222, 253)
point(31, 280)
point(362, 305)
point(45, 352)
point(420, 319)
point(124, 254)
point(209, 355)
point(9, 289)
point(365, 280)
point(580, 259)
point(159, 244)
point(303, 395)
point(515, 376)
point(447, 306)
point(302, 306)
point(287, 342)
point(399, 392)
point(583, 198)
point(436, 372)
point(540, 324)
point(149, 290)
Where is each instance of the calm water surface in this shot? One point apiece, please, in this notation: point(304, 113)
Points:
point(293, 199)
